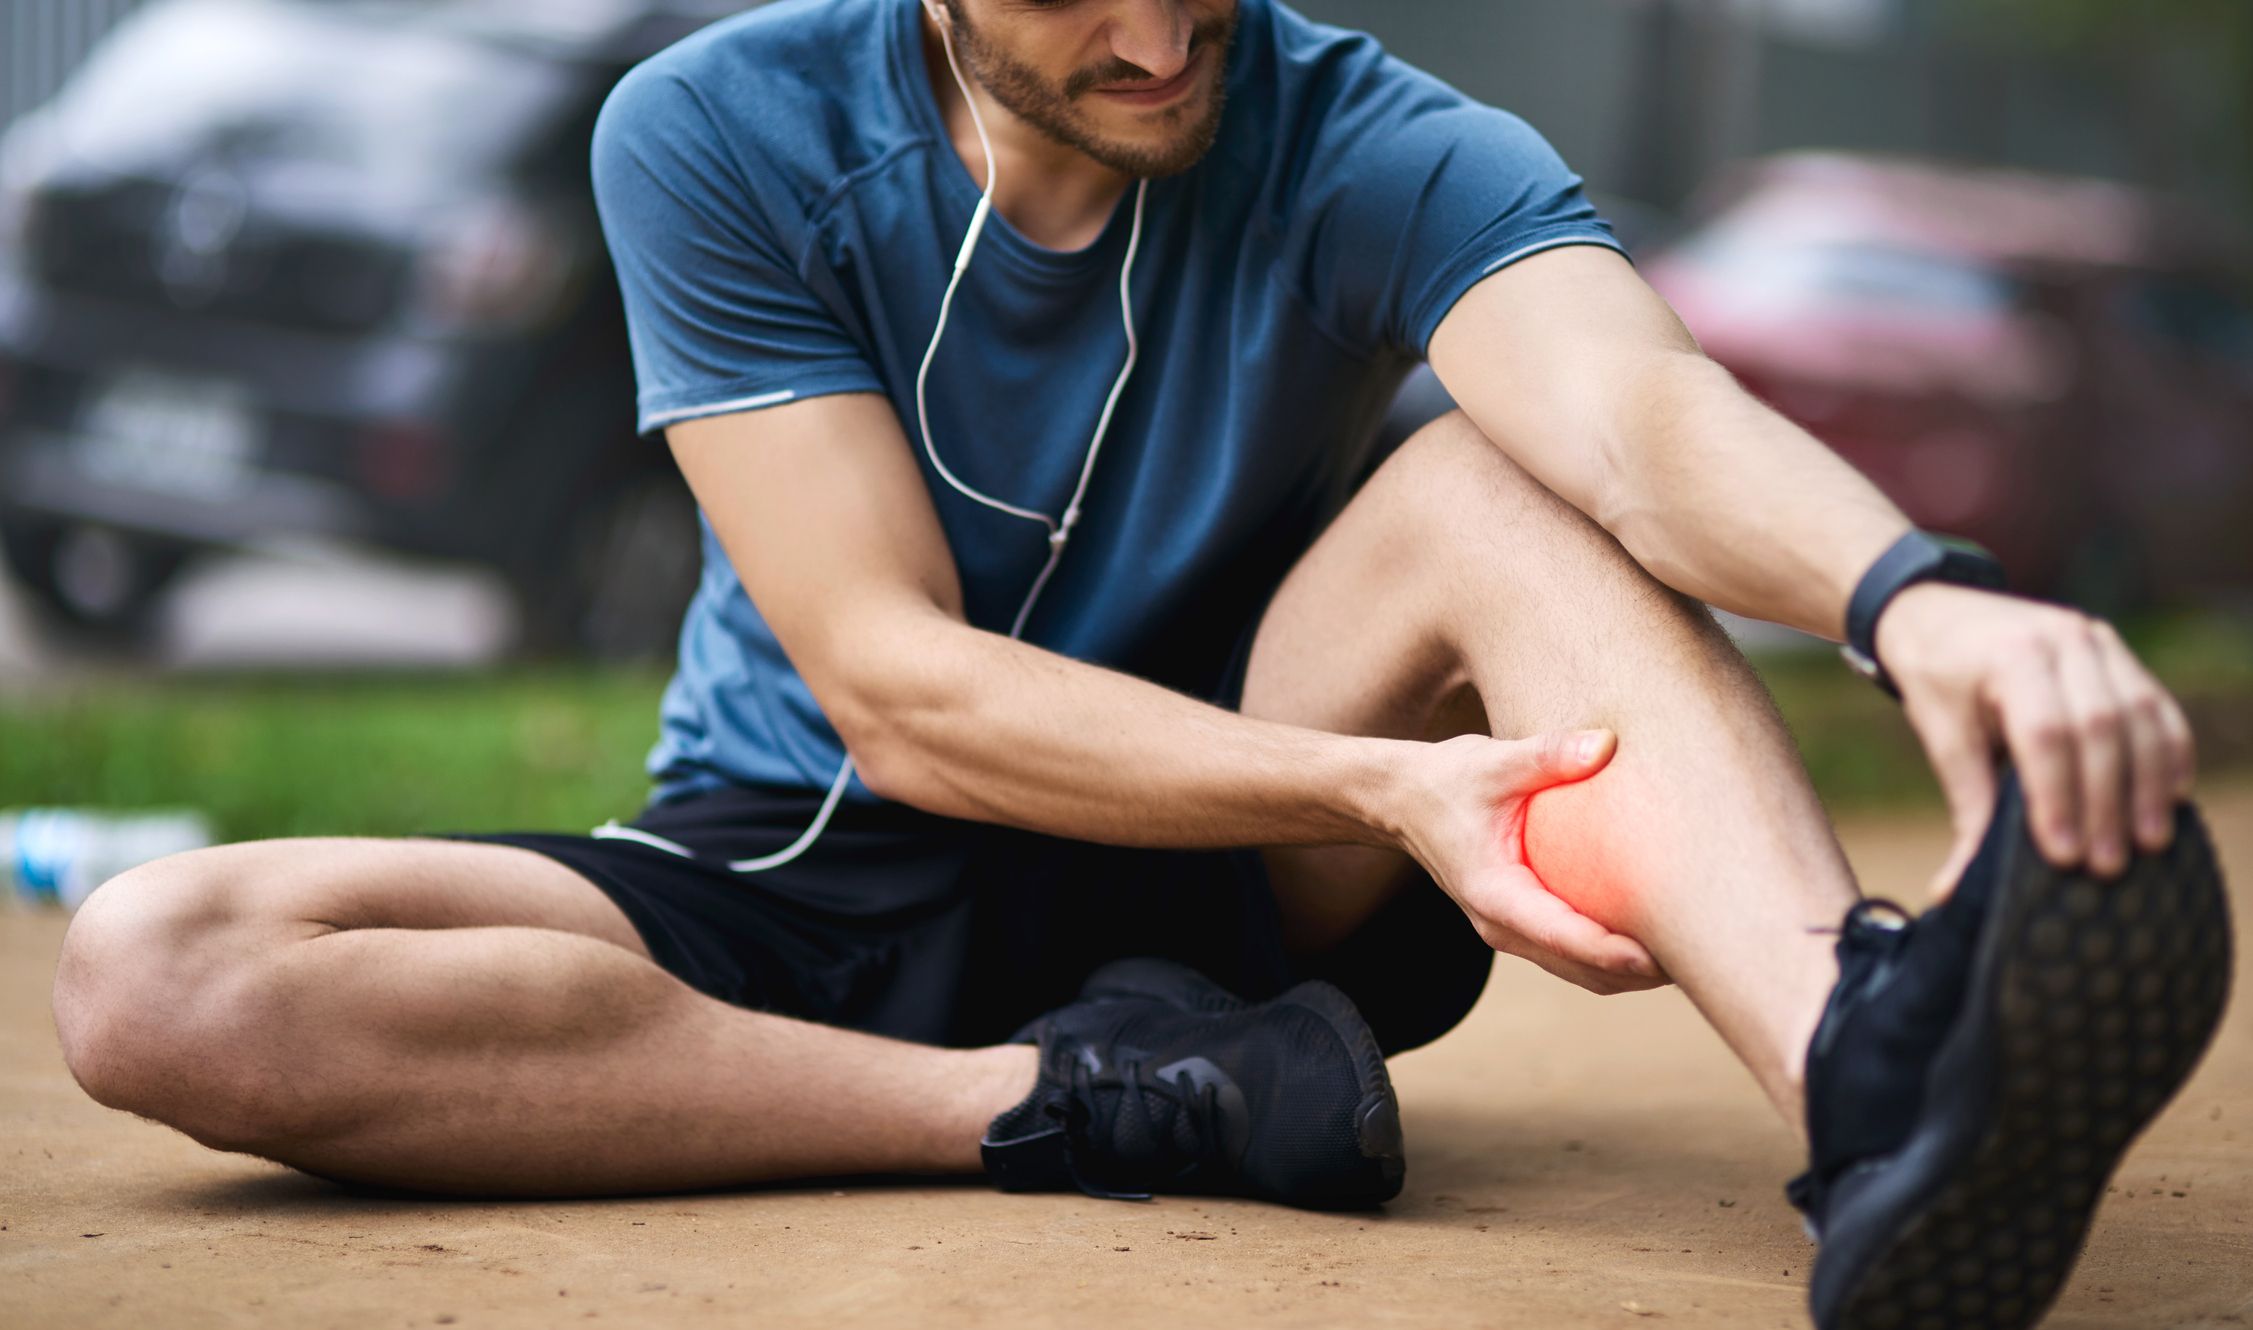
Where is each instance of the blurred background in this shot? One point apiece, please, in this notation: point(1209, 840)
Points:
point(321, 512)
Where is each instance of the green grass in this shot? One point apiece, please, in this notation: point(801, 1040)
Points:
point(342, 755)
point(1861, 752)
point(562, 749)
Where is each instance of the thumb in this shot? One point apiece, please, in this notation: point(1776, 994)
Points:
point(1564, 756)
point(1966, 768)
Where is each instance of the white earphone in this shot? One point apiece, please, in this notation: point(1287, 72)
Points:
point(1059, 527)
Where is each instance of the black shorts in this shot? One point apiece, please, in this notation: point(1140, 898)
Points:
point(904, 923)
point(949, 932)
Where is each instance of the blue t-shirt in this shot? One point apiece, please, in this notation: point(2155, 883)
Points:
point(784, 206)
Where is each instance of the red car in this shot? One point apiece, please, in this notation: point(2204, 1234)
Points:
point(2059, 369)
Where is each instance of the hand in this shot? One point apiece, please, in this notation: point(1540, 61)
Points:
point(1467, 799)
point(2102, 750)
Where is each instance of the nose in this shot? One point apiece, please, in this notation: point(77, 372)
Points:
point(1153, 35)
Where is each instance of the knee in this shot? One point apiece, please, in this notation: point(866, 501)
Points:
point(1450, 475)
point(155, 1005)
point(1437, 461)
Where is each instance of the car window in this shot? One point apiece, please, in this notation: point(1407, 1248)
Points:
point(2194, 316)
point(1787, 269)
point(382, 90)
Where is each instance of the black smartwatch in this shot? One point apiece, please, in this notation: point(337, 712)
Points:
point(1917, 557)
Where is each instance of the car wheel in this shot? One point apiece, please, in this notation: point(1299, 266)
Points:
point(628, 570)
point(92, 581)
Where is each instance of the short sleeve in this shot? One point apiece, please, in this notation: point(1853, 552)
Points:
point(1414, 193)
point(721, 309)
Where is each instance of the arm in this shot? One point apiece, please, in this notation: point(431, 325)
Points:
point(826, 518)
point(1573, 365)
point(1616, 409)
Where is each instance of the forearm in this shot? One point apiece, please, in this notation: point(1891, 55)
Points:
point(1725, 500)
point(975, 725)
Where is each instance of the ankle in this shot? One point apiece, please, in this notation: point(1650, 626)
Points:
point(1786, 1081)
point(1012, 1070)
point(1000, 1079)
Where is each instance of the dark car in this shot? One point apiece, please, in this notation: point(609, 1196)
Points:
point(2061, 369)
point(289, 268)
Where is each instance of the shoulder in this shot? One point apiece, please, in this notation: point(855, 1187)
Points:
point(792, 95)
point(1314, 97)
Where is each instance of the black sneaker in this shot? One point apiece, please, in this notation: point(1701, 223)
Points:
point(1158, 1080)
point(1980, 1071)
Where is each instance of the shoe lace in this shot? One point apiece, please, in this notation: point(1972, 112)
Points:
point(1862, 925)
point(1176, 1120)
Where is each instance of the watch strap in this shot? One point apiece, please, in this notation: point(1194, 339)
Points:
point(1918, 556)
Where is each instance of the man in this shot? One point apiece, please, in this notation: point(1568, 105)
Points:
point(1017, 937)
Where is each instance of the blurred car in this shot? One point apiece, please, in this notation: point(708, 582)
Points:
point(293, 267)
point(2060, 369)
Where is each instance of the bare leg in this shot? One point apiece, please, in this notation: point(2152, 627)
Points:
point(1453, 574)
point(474, 1018)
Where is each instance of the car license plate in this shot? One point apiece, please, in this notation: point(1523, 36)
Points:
point(147, 430)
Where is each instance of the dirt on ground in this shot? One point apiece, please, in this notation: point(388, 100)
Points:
point(1574, 1161)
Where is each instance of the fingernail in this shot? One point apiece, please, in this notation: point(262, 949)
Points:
point(1588, 745)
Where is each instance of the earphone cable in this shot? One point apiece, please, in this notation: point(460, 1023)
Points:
point(1059, 529)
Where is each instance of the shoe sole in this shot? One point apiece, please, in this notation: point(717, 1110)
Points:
point(2089, 1005)
point(1376, 1118)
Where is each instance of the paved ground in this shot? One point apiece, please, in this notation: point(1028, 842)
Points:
point(1575, 1162)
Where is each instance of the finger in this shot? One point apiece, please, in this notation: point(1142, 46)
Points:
point(1603, 983)
point(2151, 762)
point(1963, 757)
point(2040, 733)
point(2100, 747)
point(1519, 903)
point(2182, 748)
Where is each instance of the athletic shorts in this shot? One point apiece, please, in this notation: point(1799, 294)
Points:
point(942, 931)
point(949, 932)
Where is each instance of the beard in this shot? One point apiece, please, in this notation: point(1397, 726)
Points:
point(1053, 109)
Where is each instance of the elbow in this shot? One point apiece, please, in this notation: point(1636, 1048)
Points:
point(887, 769)
point(1648, 450)
point(896, 713)
point(883, 750)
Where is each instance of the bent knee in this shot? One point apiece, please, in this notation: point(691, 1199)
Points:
point(149, 998)
point(1450, 471)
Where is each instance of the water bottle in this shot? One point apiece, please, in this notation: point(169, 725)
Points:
point(57, 856)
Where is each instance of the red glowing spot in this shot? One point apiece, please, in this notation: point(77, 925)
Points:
point(1579, 845)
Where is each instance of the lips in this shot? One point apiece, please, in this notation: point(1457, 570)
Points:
point(1153, 94)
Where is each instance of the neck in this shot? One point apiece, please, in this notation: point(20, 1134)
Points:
point(1055, 195)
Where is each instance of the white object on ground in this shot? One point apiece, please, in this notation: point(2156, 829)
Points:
point(57, 856)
